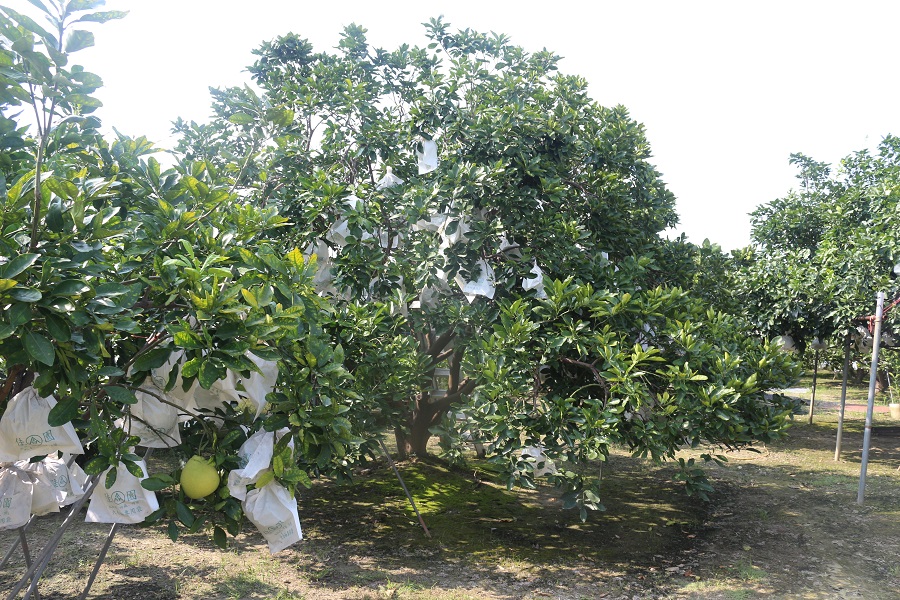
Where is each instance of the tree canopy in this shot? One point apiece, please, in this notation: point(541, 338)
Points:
point(822, 252)
point(449, 240)
point(508, 226)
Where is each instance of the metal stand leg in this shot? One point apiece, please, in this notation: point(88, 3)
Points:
point(34, 572)
point(15, 544)
point(27, 554)
point(36, 569)
point(100, 559)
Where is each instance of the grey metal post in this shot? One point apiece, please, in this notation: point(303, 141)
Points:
point(840, 430)
point(812, 401)
point(867, 438)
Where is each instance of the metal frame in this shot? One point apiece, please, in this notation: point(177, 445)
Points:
point(35, 568)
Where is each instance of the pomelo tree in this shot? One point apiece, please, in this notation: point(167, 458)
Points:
point(490, 237)
point(821, 253)
point(112, 267)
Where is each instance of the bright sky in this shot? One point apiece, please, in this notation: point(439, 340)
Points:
point(726, 90)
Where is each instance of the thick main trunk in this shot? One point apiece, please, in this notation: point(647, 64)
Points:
point(414, 438)
point(418, 438)
point(430, 409)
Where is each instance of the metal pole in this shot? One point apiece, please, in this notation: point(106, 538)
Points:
point(403, 485)
point(812, 402)
point(27, 555)
point(15, 544)
point(840, 431)
point(867, 438)
point(99, 563)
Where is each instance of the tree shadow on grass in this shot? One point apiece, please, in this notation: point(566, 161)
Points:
point(368, 530)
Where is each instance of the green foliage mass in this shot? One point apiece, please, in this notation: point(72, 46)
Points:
point(822, 252)
point(609, 349)
point(523, 272)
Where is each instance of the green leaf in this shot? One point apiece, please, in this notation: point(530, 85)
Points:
point(278, 465)
point(155, 483)
point(281, 117)
point(58, 329)
point(187, 339)
point(64, 411)
point(111, 477)
point(208, 374)
point(29, 24)
point(265, 478)
point(103, 16)
point(110, 290)
point(39, 348)
point(153, 359)
point(230, 437)
point(54, 218)
point(120, 394)
point(78, 5)
point(6, 330)
point(295, 257)
point(17, 265)
point(191, 368)
point(79, 40)
point(110, 371)
point(172, 530)
point(133, 468)
point(241, 119)
point(249, 298)
point(19, 314)
point(25, 294)
point(96, 465)
point(184, 514)
point(70, 287)
point(220, 537)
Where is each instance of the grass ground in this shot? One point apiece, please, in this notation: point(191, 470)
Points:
point(783, 523)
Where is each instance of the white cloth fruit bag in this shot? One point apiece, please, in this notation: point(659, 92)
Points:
point(67, 482)
point(53, 485)
point(25, 430)
point(255, 456)
point(542, 463)
point(15, 497)
point(273, 510)
point(154, 421)
point(427, 157)
point(125, 502)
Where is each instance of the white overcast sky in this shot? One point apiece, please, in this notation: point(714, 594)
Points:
point(726, 90)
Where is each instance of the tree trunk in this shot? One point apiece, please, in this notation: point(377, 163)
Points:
point(430, 409)
point(881, 382)
point(403, 445)
point(419, 436)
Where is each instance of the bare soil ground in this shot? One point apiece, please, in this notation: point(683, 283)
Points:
point(783, 523)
